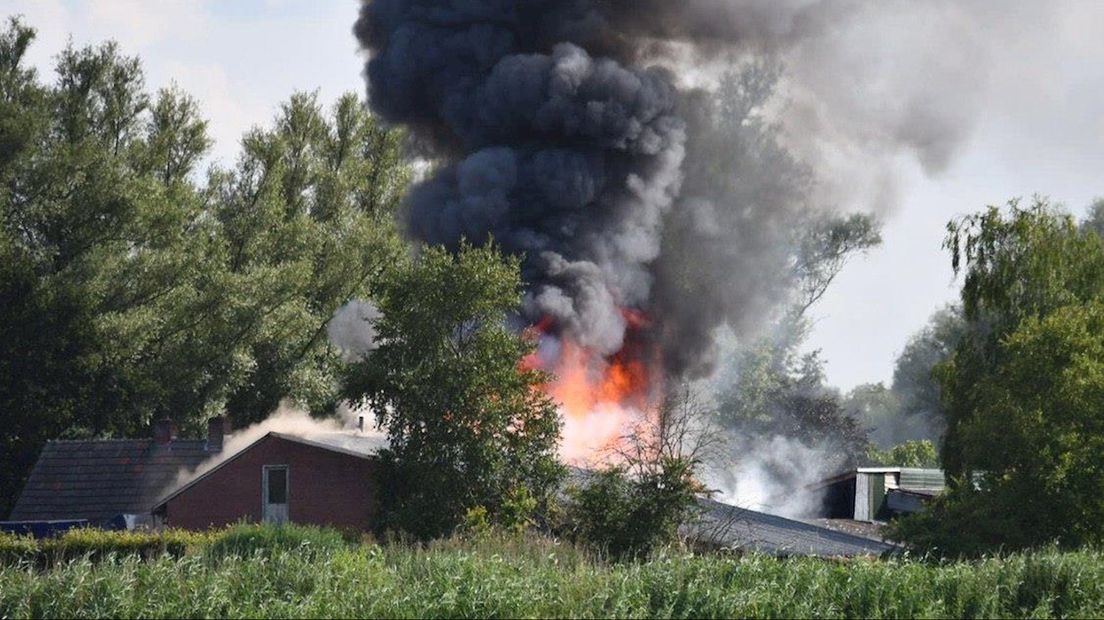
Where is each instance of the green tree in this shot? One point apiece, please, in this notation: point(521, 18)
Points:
point(1034, 441)
point(304, 223)
point(776, 391)
point(914, 384)
point(878, 409)
point(1022, 388)
point(916, 453)
point(1094, 218)
point(467, 422)
point(762, 202)
point(637, 506)
point(134, 291)
point(1021, 266)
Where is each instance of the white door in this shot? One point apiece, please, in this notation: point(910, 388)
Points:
point(274, 492)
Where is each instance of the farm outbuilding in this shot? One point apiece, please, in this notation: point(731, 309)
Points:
point(878, 493)
point(324, 479)
point(321, 479)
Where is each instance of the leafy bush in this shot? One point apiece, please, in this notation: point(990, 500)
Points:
point(101, 544)
point(250, 539)
point(916, 453)
point(98, 545)
point(628, 516)
point(443, 346)
point(15, 548)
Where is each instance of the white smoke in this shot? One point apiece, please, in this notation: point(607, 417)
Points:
point(288, 420)
point(773, 475)
point(352, 329)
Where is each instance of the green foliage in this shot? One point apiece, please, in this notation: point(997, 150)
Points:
point(1024, 264)
point(1023, 390)
point(916, 453)
point(629, 516)
point(776, 391)
point(825, 248)
point(243, 540)
point(252, 539)
point(1094, 218)
point(15, 549)
point(911, 408)
point(918, 391)
point(1035, 439)
point(131, 291)
point(467, 423)
point(98, 545)
point(532, 577)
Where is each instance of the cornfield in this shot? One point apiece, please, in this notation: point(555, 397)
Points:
point(259, 574)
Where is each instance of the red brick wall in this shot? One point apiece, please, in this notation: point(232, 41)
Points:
point(324, 488)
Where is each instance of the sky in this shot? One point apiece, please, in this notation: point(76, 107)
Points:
point(1040, 131)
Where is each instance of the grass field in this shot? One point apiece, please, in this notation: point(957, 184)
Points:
point(257, 572)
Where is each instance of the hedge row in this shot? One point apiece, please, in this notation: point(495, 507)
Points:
point(242, 540)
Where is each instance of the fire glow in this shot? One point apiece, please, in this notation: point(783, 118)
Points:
point(601, 398)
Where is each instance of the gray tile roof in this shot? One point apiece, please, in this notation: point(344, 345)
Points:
point(724, 526)
point(98, 479)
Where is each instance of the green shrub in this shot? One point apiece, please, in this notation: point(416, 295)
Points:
point(628, 516)
point(15, 549)
point(249, 539)
point(916, 453)
point(98, 544)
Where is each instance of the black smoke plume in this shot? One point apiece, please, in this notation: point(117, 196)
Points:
point(562, 135)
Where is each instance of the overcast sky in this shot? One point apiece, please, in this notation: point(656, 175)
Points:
point(1041, 131)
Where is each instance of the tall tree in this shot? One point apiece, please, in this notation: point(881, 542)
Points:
point(1022, 265)
point(469, 426)
point(1022, 389)
point(132, 290)
point(763, 202)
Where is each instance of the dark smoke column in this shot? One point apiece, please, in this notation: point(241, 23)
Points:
point(572, 158)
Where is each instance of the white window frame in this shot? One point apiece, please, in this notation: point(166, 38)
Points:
point(265, 469)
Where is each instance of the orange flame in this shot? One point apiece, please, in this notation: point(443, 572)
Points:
point(601, 399)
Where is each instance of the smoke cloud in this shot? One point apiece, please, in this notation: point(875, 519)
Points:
point(289, 420)
point(773, 475)
point(596, 138)
point(352, 329)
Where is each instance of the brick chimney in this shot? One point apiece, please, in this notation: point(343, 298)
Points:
point(164, 431)
point(217, 430)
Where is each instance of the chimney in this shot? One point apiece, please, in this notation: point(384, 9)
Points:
point(217, 430)
point(164, 431)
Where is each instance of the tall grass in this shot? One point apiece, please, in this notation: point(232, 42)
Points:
point(528, 577)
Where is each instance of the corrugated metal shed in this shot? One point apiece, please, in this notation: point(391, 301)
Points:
point(99, 479)
point(729, 527)
point(921, 479)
